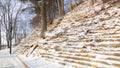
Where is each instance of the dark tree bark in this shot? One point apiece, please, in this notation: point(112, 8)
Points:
point(80, 1)
point(0, 37)
point(43, 19)
point(75, 2)
point(61, 7)
point(71, 5)
point(10, 37)
point(104, 1)
point(53, 9)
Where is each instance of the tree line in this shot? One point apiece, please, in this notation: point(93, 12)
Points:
point(48, 10)
point(60, 4)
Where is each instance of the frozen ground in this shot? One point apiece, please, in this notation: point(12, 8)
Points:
point(37, 62)
point(82, 39)
point(12, 61)
point(9, 61)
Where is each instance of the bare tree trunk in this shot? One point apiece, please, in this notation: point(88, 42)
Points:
point(80, 1)
point(75, 3)
point(43, 19)
point(104, 1)
point(37, 7)
point(61, 7)
point(53, 9)
point(24, 32)
point(70, 5)
point(0, 37)
point(7, 39)
point(10, 38)
point(50, 11)
point(48, 8)
point(63, 11)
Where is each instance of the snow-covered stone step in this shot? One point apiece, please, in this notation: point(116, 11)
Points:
point(115, 45)
point(97, 49)
point(99, 40)
point(73, 65)
point(112, 35)
point(103, 31)
point(48, 57)
point(78, 51)
point(59, 40)
point(116, 53)
point(88, 54)
point(100, 44)
point(107, 49)
point(97, 33)
point(103, 36)
point(92, 63)
point(80, 55)
point(62, 61)
point(75, 54)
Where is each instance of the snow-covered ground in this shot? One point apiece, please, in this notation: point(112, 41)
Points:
point(12, 61)
point(36, 62)
point(9, 61)
point(83, 39)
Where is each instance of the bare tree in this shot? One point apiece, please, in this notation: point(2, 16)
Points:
point(9, 20)
point(43, 19)
point(70, 5)
point(75, 2)
point(61, 7)
point(0, 36)
point(0, 31)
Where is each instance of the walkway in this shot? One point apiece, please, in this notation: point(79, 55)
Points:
point(9, 61)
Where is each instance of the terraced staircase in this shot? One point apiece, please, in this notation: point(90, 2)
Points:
point(80, 41)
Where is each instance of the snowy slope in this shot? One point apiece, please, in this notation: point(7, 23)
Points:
point(84, 38)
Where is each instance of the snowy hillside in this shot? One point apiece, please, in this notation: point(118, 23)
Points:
point(84, 38)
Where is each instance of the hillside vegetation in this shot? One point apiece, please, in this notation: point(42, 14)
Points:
point(83, 38)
